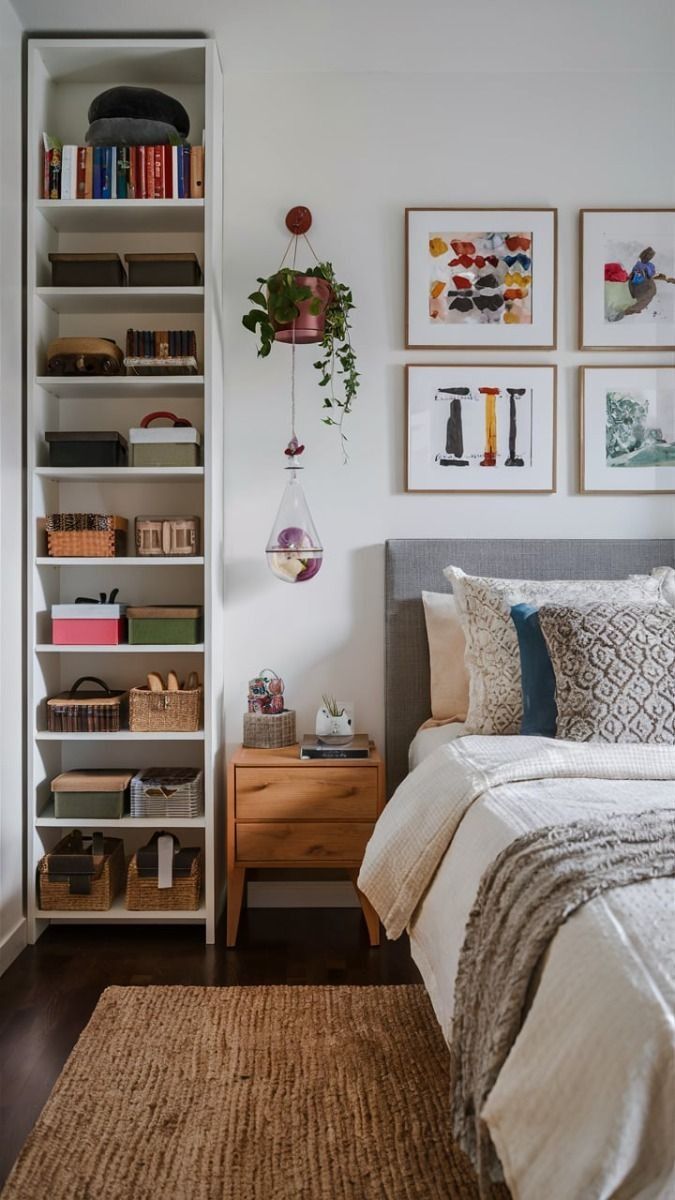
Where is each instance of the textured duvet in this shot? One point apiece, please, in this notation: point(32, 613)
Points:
point(584, 1105)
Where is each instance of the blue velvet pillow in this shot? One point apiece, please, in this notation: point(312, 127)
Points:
point(540, 713)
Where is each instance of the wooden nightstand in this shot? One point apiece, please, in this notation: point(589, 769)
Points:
point(284, 811)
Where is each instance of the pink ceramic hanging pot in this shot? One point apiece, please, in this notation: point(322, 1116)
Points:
point(309, 327)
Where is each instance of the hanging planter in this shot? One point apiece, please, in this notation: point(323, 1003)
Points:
point(308, 295)
point(310, 306)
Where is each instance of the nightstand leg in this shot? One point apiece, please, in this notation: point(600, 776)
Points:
point(236, 881)
point(371, 918)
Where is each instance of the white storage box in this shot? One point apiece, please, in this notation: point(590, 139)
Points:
point(175, 445)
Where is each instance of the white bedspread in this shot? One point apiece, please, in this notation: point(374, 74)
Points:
point(584, 1108)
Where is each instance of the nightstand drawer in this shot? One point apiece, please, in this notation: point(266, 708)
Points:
point(306, 841)
point(299, 793)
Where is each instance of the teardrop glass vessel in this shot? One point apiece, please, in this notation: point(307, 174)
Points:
point(294, 551)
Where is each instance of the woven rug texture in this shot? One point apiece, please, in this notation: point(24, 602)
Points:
point(250, 1093)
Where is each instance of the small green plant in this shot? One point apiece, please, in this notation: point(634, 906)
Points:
point(276, 303)
point(331, 706)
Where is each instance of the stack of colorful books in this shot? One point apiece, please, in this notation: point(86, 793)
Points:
point(122, 172)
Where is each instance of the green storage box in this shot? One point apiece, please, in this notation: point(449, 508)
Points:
point(162, 625)
point(91, 795)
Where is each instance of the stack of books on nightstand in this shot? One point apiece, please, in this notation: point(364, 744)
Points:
point(357, 745)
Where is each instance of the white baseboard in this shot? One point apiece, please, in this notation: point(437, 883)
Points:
point(301, 893)
point(12, 944)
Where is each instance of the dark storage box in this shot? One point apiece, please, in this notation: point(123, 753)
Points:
point(87, 448)
point(163, 270)
point(87, 270)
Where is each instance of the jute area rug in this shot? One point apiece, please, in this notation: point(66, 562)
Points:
point(250, 1093)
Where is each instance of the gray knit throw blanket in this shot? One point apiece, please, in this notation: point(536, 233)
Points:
point(532, 887)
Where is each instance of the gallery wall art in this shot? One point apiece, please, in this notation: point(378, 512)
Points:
point(481, 277)
point(481, 428)
point(627, 429)
point(627, 279)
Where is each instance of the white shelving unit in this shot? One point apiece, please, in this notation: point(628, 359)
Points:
point(64, 75)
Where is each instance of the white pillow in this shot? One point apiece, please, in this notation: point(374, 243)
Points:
point(492, 656)
point(449, 676)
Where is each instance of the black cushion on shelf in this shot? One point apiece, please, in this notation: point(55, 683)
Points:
point(140, 102)
point(130, 131)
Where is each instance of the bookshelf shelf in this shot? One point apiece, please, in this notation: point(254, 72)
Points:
point(125, 735)
point(124, 299)
point(121, 474)
point(149, 562)
point(48, 648)
point(48, 821)
point(119, 913)
point(145, 387)
point(64, 75)
point(123, 216)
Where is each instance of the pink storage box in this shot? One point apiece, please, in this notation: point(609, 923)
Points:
point(88, 624)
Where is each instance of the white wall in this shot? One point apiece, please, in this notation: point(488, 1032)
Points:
point(12, 924)
point(357, 148)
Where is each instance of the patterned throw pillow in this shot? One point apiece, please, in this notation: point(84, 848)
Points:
point(492, 656)
point(614, 671)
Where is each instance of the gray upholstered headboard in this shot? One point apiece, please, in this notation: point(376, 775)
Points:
point(415, 565)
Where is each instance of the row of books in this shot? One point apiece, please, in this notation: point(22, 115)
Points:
point(122, 172)
point(161, 343)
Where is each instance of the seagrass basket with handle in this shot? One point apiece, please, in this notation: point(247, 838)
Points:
point(81, 873)
point(165, 711)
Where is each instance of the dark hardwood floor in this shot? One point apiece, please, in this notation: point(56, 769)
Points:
point(50, 991)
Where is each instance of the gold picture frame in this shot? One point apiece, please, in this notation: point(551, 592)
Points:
point(593, 437)
point(540, 333)
point(422, 466)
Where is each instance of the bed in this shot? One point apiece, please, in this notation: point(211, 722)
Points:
point(583, 1105)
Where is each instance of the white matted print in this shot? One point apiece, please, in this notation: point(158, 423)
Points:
point(627, 278)
point(481, 429)
point(628, 429)
point(481, 277)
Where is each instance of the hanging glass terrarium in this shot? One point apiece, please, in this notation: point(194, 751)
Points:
point(294, 551)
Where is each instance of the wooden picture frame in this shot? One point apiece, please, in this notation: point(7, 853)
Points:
point(481, 290)
point(496, 433)
point(611, 244)
point(639, 389)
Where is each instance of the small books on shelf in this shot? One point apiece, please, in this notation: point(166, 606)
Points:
point(356, 746)
point(121, 172)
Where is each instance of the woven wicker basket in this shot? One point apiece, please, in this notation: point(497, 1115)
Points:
point(57, 895)
point(165, 712)
point(144, 895)
point(269, 731)
point(85, 535)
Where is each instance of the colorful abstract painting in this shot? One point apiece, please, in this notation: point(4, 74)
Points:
point(483, 278)
point(638, 281)
point(628, 278)
point(628, 429)
point(481, 429)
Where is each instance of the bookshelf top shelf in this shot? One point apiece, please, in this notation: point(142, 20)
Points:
point(123, 216)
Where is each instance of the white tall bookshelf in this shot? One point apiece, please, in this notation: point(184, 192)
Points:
point(64, 75)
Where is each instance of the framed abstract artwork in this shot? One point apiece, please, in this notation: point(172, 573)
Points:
point(628, 430)
point(481, 278)
point(627, 277)
point(481, 428)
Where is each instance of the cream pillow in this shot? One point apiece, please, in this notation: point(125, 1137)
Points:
point(492, 656)
point(449, 676)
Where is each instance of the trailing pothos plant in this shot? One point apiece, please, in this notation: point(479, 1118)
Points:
point(276, 303)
